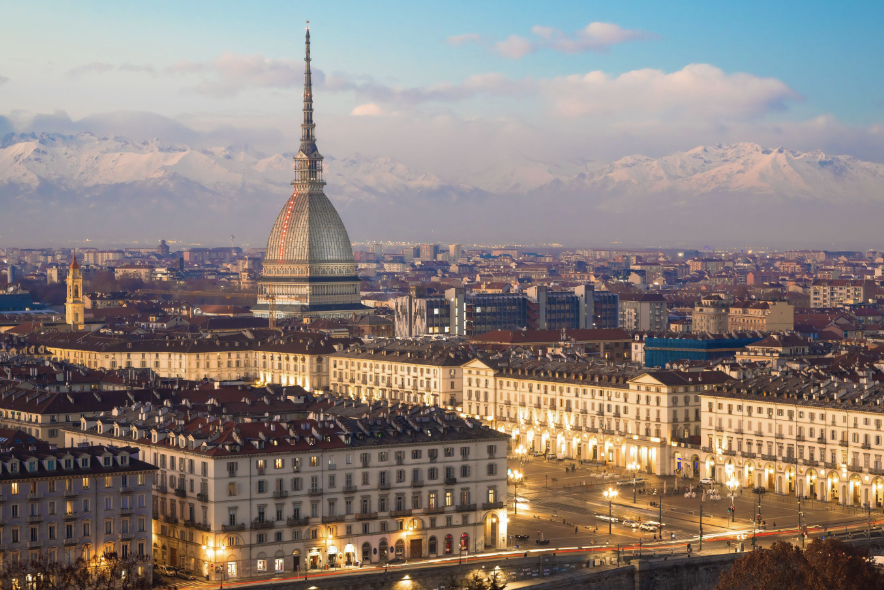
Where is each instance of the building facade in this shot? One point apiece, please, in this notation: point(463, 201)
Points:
point(644, 312)
point(243, 500)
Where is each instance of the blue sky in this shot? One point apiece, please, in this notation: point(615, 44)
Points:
point(414, 80)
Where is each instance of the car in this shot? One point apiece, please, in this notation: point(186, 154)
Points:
point(522, 500)
point(648, 527)
point(606, 517)
point(630, 522)
point(184, 575)
point(631, 482)
point(520, 537)
point(707, 481)
point(165, 570)
point(395, 561)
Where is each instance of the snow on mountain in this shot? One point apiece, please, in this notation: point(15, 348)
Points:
point(745, 168)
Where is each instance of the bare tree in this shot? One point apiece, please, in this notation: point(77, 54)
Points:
point(109, 572)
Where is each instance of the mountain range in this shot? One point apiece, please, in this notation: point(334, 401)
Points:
point(108, 189)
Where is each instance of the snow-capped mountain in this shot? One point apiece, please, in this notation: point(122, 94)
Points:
point(114, 189)
point(744, 168)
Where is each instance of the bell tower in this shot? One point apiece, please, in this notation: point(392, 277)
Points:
point(74, 307)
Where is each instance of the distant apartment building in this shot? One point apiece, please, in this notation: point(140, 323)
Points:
point(102, 257)
point(133, 271)
point(710, 314)
point(646, 312)
point(429, 251)
point(763, 316)
point(605, 309)
point(832, 293)
point(462, 313)
point(710, 265)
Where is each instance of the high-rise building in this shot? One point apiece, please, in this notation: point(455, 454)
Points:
point(429, 251)
point(378, 250)
point(75, 307)
point(454, 252)
point(309, 270)
point(163, 248)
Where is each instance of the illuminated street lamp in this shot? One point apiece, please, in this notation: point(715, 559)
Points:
point(516, 478)
point(732, 484)
point(521, 452)
point(634, 468)
point(610, 494)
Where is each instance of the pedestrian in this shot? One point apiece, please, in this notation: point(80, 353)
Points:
point(575, 530)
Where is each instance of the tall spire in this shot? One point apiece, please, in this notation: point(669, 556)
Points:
point(308, 162)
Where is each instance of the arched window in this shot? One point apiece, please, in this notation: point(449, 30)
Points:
point(449, 544)
point(382, 549)
point(366, 552)
point(464, 542)
point(433, 549)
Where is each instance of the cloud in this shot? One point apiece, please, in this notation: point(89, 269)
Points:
point(695, 91)
point(3, 79)
point(231, 73)
point(462, 39)
point(597, 37)
point(103, 68)
point(369, 109)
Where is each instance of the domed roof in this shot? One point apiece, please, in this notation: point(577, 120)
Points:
point(309, 230)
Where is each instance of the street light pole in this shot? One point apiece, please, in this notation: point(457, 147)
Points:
point(610, 494)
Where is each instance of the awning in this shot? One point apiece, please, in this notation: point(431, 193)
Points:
point(332, 550)
point(349, 548)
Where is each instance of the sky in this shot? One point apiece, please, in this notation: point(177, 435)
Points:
point(460, 88)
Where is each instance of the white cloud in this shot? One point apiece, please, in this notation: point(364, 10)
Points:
point(598, 37)
point(467, 38)
point(369, 109)
point(230, 73)
point(695, 91)
point(103, 68)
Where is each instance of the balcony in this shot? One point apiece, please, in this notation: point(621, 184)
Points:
point(396, 513)
point(296, 521)
point(70, 494)
point(314, 492)
point(69, 516)
point(417, 483)
point(748, 454)
point(800, 438)
point(126, 489)
point(830, 465)
point(202, 497)
point(233, 527)
point(35, 496)
point(35, 544)
point(866, 446)
point(492, 505)
point(465, 507)
point(738, 431)
point(72, 541)
point(779, 435)
point(706, 449)
point(821, 440)
point(337, 518)
point(180, 493)
point(127, 536)
point(366, 515)
point(4, 547)
point(450, 481)
point(261, 470)
point(759, 433)
point(280, 494)
point(161, 488)
point(400, 460)
point(729, 453)
point(842, 443)
point(202, 526)
point(384, 485)
point(810, 462)
point(436, 510)
point(332, 466)
point(768, 457)
point(351, 489)
point(35, 518)
point(261, 524)
point(128, 511)
point(876, 471)
point(170, 519)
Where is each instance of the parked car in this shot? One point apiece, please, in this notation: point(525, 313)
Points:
point(648, 527)
point(520, 537)
point(165, 570)
point(631, 523)
point(184, 575)
point(707, 481)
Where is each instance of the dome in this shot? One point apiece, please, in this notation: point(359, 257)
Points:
point(309, 230)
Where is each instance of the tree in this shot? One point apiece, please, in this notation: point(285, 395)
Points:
point(823, 565)
point(496, 581)
point(108, 572)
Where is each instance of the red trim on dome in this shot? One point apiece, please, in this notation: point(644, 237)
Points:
point(285, 226)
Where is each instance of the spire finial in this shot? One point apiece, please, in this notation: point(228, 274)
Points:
point(308, 163)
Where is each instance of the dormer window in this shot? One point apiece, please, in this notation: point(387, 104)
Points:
point(32, 466)
point(107, 461)
point(68, 463)
point(84, 462)
point(124, 460)
point(50, 465)
point(13, 467)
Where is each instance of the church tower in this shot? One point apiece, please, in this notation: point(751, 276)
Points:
point(309, 270)
point(74, 307)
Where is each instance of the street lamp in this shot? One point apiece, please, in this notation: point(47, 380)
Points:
point(732, 484)
point(633, 467)
point(610, 494)
point(516, 478)
point(521, 451)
